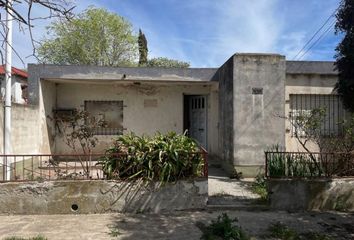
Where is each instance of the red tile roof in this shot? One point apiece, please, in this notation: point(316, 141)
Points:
point(15, 71)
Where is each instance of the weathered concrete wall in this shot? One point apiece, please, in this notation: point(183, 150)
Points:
point(304, 84)
point(26, 137)
point(335, 194)
point(100, 196)
point(165, 116)
point(226, 116)
point(259, 98)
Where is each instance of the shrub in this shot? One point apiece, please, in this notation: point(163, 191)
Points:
point(224, 228)
point(164, 158)
point(259, 187)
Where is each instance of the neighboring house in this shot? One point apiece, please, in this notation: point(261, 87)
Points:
point(18, 86)
point(236, 111)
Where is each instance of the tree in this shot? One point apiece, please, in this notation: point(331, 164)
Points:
point(143, 49)
point(166, 63)
point(24, 20)
point(345, 54)
point(94, 37)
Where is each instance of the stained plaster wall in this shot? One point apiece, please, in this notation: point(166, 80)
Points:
point(26, 138)
point(166, 116)
point(256, 123)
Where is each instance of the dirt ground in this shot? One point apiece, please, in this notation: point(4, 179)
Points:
point(178, 225)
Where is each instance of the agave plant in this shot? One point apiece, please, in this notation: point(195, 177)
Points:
point(162, 157)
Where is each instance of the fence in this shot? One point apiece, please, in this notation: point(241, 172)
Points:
point(44, 167)
point(309, 165)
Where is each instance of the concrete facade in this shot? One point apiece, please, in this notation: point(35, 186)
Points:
point(248, 98)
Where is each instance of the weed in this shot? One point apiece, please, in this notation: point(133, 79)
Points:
point(260, 187)
point(223, 228)
point(39, 237)
point(283, 232)
point(315, 236)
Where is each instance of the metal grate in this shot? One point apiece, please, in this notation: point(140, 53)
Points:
point(111, 112)
point(335, 113)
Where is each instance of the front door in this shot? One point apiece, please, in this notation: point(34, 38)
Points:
point(198, 119)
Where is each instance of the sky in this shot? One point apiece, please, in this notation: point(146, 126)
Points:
point(206, 33)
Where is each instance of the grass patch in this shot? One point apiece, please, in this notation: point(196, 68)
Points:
point(223, 228)
point(283, 232)
point(39, 237)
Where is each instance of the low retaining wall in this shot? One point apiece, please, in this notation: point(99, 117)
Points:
point(323, 195)
point(65, 197)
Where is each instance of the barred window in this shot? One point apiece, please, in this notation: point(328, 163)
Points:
point(110, 112)
point(303, 104)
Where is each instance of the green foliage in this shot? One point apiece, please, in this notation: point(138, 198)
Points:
point(276, 161)
point(39, 237)
point(166, 63)
point(143, 49)
point(345, 53)
point(94, 37)
point(160, 157)
point(260, 187)
point(283, 232)
point(224, 228)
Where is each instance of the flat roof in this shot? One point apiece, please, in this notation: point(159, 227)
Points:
point(154, 74)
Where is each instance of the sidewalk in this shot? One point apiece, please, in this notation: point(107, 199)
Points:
point(178, 225)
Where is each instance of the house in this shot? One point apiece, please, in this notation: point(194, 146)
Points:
point(235, 111)
point(19, 85)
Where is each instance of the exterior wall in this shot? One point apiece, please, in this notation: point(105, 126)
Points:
point(101, 197)
point(16, 90)
point(324, 195)
point(304, 84)
point(26, 137)
point(259, 88)
point(166, 116)
point(226, 117)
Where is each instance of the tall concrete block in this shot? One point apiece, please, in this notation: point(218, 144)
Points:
point(258, 103)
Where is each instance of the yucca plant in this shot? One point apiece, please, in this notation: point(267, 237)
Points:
point(162, 157)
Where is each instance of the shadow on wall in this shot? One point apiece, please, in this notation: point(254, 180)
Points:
point(83, 197)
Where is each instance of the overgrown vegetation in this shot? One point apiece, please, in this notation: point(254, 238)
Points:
point(259, 187)
point(282, 232)
point(308, 130)
point(223, 228)
point(162, 157)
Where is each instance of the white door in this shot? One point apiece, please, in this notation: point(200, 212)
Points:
point(198, 119)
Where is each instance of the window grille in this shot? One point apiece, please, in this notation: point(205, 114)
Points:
point(303, 104)
point(110, 112)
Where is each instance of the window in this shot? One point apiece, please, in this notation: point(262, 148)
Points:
point(110, 112)
point(303, 104)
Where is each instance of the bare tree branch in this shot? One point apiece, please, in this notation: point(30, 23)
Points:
point(60, 9)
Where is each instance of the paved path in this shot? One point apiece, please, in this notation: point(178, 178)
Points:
point(225, 191)
point(178, 225)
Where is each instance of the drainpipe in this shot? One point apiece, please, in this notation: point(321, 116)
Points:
point(7, 106)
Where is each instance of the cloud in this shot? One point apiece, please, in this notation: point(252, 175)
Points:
point(207, 33)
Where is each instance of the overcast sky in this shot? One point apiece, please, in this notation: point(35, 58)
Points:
point(207, 32)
